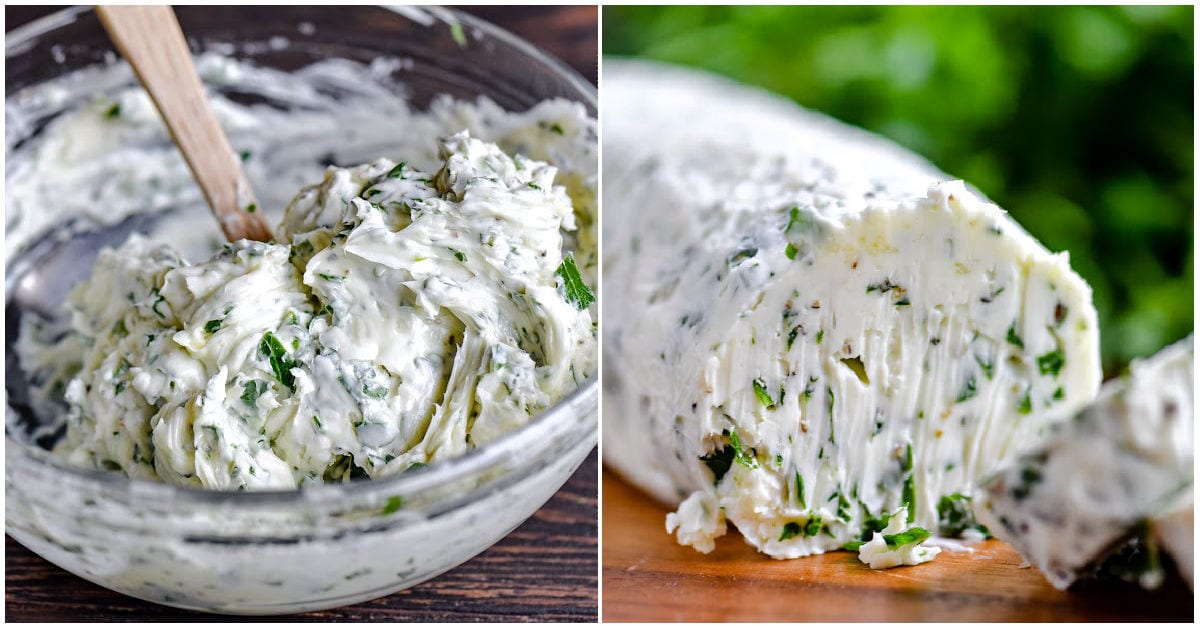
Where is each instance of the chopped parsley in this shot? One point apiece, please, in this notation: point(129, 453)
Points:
point(742, 255)
point(457, 34)
point(281, 362)
point(213, 326)
point(790, 251)
point(792, 336)
point(374, 392)
point(968, 389)
point(397, 171)
point(576, 291)
point(739, 454)
point(113, 112)
point(394, 503)
point(790, 529)
point(1013, 338)
point(800, 489)
point(1026, 405)
point(988, 367)
point(764, 397)
point(908, 493)
point(251, 390)
point(956, 516)
point(896, 541)
point(718, 462)
point(1051, 363)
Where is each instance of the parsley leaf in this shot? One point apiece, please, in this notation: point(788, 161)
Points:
point(281, 362)
point(576, 291)
point(1051, 363)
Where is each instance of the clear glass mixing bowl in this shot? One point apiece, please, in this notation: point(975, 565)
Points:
point(322, 546)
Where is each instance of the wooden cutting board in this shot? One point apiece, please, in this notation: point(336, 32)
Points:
point(648, 577)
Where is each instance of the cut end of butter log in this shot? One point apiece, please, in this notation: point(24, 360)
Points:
point(808, 327)
point(1112, 484)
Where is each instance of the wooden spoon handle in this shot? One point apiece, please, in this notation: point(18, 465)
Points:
point(151, 41)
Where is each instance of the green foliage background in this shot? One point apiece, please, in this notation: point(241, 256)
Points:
point(1078, 120)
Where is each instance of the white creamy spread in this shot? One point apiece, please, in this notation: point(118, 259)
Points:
point(407, 312)
point(1125, 461)
point(807, 327)
point(897, 544)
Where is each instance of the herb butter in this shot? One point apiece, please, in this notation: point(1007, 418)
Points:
point(807, 327)
point(401, 317)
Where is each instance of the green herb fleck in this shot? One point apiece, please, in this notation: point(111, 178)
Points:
point(719, 462)
point(813, 526)
point(576, 291)
point(459, 255)
point(742, 255)
point(1013, 338)
point(800, 489)
point(281, 362)
point(968, 389)
point(792, 336)
point(743, 458)
point(1051, 363)
point(213, 326)
point(457, 34)
point(956, 516)
point(908, 494)
point(333, 278)
point(795, 218)
point(1058, 394)
point(829, 396)
point(1026, 405)
point(397, 171)
point(903, 301)
point(251, 390)
point(790, 529)
point(760, 391)
point(113, 112)
point(394, 503)
point(374, 392)
point(987, 367)
point(251, 208)
point(820, 335)
point(790, 251)
point(245, 155)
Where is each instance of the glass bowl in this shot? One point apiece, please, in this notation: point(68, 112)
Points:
point(272, 552)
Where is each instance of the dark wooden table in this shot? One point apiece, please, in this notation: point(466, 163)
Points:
point(545, 570)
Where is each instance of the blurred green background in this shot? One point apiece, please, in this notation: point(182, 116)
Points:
point(1078, 120)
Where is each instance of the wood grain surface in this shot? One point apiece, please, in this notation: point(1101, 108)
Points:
point(545, 570)
point(648, 577)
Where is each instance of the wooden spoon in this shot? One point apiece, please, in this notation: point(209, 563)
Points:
point(151, 41)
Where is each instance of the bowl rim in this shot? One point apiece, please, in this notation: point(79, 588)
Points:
point(507, 446)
